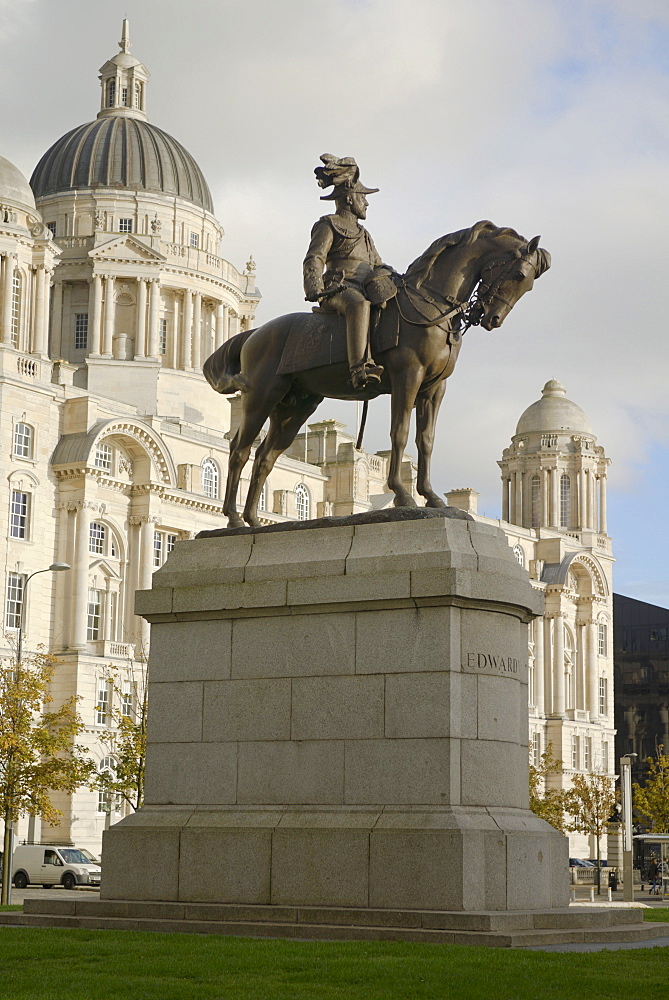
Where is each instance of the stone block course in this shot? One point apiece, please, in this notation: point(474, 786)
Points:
point(191, 773)
point(289, 772)
point(247, 710)
point(336, 708)
point(293, 645)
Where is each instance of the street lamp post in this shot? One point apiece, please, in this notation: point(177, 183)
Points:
point(6, 897)
point(626, 803)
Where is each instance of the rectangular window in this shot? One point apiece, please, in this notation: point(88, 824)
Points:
point(587, 753)
point(171, 541)
point(604, 762)
point(52, 227)
point(20, 514)
point(601, 640)
point(575, 754)
point(124, 96)
point(16, 309)
point(14, 600)
point(96, 538)
point(603, 692)
point(157, 549)
point(103, 457)
point(104, 698)
point(536, 749)
point(194, 240)
point(127, 700)
point(125, 225)
point(162, 337)
point(94, 615)
point(23, 440)
point(80, 331)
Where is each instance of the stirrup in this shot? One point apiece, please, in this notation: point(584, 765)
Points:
point(367, 372)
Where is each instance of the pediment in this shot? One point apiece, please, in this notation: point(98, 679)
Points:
point(103, 567)
point(126, 248)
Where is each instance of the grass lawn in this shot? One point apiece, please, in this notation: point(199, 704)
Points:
point(45, 964)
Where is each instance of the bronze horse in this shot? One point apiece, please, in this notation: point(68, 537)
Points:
point(464, 279)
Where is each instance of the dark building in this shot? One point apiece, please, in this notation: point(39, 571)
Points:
point(641, 679)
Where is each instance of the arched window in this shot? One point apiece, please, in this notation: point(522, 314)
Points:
point(103, 457)
point(535, 498)
point(565, 501)
point(519, 554)
point(210, 478)
point(111, 93)
point(302, 502)
point(23, 440)
point(17, 286)
point(138, 95)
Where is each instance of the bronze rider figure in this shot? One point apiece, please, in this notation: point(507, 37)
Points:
point(342, 269)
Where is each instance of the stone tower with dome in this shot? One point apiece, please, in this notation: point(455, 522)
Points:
point(554, 516)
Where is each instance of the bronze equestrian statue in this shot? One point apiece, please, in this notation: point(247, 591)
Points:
point(285, 368)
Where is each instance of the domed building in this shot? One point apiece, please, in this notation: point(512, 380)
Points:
point(554, 516)
point(113, 447)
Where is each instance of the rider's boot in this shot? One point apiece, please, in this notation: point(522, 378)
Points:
point(365, 370)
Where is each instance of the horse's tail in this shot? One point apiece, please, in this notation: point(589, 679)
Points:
point(222, 369)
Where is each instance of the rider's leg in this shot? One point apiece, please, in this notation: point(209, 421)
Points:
point(356, 310)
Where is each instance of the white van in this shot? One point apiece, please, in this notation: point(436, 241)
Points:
point(50, 864)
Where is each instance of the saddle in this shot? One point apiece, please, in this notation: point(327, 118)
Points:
point(318, 338)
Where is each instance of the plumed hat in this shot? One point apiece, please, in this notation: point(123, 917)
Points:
point(343, 174)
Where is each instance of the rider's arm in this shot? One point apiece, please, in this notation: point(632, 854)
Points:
point(314, 262)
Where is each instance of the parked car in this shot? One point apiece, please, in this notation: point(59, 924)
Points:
point(580, 863)
point(50, 864)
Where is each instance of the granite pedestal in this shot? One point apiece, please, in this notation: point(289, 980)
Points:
point(338, 717)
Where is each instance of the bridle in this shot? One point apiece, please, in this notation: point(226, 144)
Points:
point(473, 310)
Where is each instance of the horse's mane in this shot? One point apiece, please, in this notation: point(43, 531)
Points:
point(421, 267)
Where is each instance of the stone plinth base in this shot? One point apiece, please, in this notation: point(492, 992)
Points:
point(338, 717)
point(520, 929)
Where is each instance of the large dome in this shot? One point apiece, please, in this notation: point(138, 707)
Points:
point(554, 412)
point(120, 151)
point(14, 188)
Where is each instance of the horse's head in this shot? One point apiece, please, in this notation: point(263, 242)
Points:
point(505, 279)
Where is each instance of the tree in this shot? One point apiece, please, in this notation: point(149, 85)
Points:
point(548, 803)
point(590, 802)
point(125, 739)
point(651, 801)
point(38, 753)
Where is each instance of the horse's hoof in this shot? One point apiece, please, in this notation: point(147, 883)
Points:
point(253, 522)
point(404, 501)
point(435, 501)
point(235, 521)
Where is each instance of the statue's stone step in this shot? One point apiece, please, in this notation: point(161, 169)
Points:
point(496, 930)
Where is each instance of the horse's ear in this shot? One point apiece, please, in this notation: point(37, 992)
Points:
point(533, 245)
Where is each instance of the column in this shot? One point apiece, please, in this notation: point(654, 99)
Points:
point(38, 339)
point(154, 318)
point(219, 337)
point(7, 289)
point(592, 503)
point(602, 505)
point(582, 520)
point(591, 672)
point(110, 316)
point(140, 338)
point(57, 320)
point(107, 615)
point(555, 498)
point(539, 666)
point(558, 665)
point(545, 495)
point(187, 336)
point(80, 576)
point(95, 315)
point(518, 501)
point(505, 498)
point(548, 665)
point(146, 570)
point(197, 330)
point(173, 347)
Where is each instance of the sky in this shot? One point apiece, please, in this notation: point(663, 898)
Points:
point(550, 116)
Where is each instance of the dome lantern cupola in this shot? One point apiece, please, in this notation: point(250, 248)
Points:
point(123, 80)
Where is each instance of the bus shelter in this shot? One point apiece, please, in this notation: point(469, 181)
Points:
point(654, 845)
